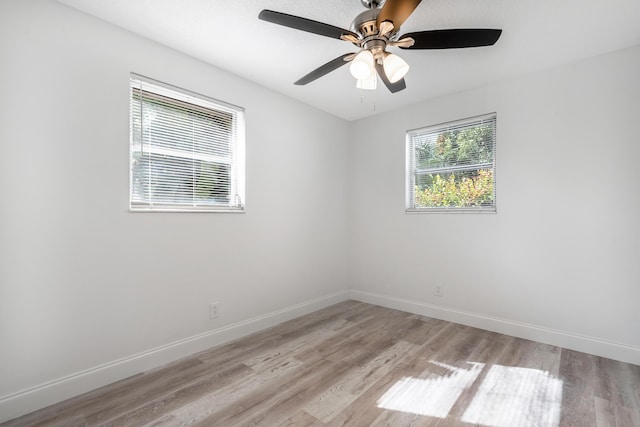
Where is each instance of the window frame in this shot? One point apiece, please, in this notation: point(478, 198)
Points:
point(200, 105)
point(410, 166)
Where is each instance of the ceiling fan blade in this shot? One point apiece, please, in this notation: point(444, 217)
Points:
point(397, 11)
point(452, 39)
point(393, 87)
point(326, 69)
point(304, 24)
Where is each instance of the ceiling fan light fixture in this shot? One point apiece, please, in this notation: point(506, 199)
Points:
point(373, 31)
point(362, 65)
point(368, 84)
point(395, 67)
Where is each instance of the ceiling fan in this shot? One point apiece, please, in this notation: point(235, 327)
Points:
point(373, 31)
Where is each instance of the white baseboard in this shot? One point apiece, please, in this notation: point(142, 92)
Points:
point(585, 344)
point(23, 402)
point(40, 396)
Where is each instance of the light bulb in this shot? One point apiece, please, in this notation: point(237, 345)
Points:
point(362, 65)
point(394, 67)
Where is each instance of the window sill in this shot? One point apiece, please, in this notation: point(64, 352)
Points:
point(188, 210)
point(488, 210)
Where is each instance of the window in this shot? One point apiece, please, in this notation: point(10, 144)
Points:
point(451, 166)
point(186, 150)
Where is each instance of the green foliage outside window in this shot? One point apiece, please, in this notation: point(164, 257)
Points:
point(456, 190)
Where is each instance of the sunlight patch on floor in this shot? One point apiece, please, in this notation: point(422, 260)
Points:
point(507, 397)
point(432, 397)
point(513, 396)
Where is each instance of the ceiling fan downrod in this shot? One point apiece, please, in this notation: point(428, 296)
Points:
point(372, 4)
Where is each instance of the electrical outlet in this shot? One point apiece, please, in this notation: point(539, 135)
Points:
point(213, 310)
point(438, 290)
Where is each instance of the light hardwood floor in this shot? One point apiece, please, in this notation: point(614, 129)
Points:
point(360, 365)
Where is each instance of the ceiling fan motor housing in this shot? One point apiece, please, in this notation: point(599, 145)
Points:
point(366, 26)
point(365, 23)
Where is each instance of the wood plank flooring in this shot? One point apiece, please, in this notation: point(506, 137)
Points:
point(355, 364)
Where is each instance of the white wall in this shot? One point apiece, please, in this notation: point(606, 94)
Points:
point(84, 282)
point(559, 262)
point(90, 293)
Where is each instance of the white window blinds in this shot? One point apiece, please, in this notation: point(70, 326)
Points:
point(451, 166)
point(186, 150)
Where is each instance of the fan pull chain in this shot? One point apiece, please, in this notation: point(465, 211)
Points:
point(363, 93)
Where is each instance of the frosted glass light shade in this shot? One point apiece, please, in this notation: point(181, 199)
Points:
point(369, 84)
point(362, 65)
point(394, 67)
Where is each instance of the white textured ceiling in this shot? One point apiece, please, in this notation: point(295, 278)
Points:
point(537, 34)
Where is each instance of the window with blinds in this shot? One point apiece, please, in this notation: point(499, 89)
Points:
point(451, 166)
point(186, 150)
